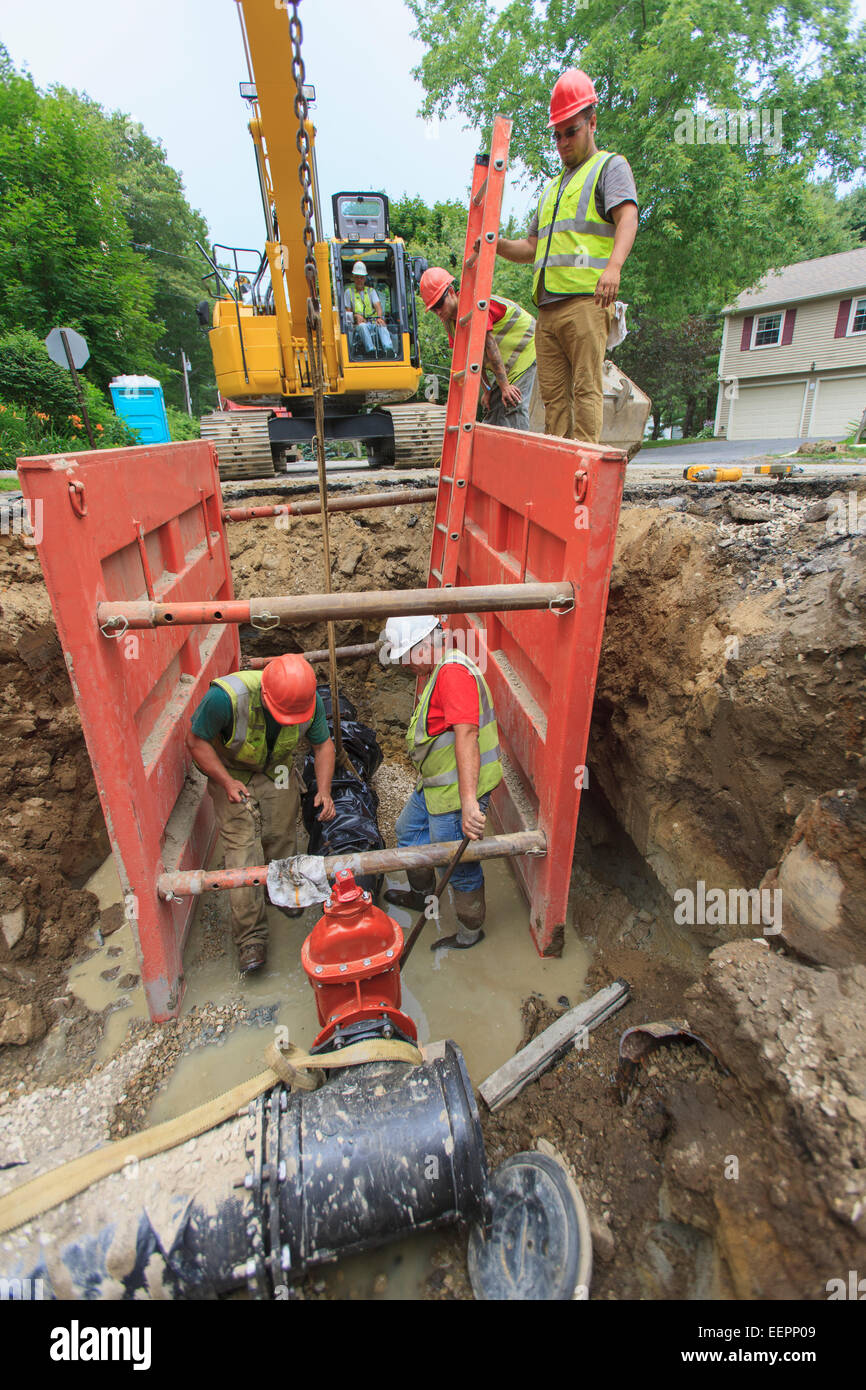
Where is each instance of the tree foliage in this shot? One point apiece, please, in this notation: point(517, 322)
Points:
point(714, 217)
point(85, 200)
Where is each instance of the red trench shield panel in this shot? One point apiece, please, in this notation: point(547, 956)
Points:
point(142, 523)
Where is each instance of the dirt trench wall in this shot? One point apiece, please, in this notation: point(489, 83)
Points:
point(52, 834)
point(731, 684)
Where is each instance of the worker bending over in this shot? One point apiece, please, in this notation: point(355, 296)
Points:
point(244, 737)
point(577, 242)
point(509, 349)
point(365, 311)
point(453, 741)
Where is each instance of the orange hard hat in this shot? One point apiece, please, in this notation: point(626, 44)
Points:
point(573, 92)
point(289, 689)
point(434, 283)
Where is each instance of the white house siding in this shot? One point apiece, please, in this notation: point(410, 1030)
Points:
point(762, 411)
point(839, 402)
point(813, 341)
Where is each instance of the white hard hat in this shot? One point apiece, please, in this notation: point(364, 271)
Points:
point(359, 268)
point(402, 634)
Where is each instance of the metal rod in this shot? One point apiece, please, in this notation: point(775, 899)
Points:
point(192, 882)
point(274, 612)
point(351, 502)
point(258, 663)
point(81, 401)
point(439, 890)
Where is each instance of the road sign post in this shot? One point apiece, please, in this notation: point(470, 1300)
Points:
point(68, 349)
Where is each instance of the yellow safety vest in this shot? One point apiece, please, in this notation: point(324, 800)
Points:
point(515, 334)
point(246, 750)
point(363, 303)
point(435, 756)
point(574, 243)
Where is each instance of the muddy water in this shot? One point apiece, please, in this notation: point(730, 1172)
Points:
point(473, 997)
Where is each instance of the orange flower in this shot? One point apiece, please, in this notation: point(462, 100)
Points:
point(99, 429)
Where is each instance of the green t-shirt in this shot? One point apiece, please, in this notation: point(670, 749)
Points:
point(213, 719)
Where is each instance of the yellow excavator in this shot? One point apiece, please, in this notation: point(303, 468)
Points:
point(258, 332)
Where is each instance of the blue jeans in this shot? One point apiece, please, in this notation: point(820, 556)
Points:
point(364, 337)
point(416, 826)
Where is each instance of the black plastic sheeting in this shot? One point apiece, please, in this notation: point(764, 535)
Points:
point(355, 826)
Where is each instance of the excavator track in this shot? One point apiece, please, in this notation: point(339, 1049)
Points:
point(419, 430)
point(242, 442)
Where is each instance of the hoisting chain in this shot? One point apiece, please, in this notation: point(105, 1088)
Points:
point(314, 346)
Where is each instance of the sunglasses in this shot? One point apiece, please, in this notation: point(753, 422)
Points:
point(567, 134)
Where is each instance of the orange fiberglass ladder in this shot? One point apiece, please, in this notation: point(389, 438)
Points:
point(485, 203)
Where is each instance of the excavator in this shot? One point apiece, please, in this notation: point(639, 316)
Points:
point(258, 330)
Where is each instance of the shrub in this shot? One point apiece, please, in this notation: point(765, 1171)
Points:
point(29, 377)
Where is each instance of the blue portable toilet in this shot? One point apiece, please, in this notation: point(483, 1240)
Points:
point(139, 402)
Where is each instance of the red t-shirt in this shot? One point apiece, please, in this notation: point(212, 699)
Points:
point(454, 699)
point(494, 314)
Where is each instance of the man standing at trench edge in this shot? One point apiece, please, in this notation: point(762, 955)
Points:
point(453, 741)
point(577, 242)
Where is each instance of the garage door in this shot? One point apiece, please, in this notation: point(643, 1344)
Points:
point(767, 412)
point(839, 404)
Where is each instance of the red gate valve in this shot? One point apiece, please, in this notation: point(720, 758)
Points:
point(352, 960)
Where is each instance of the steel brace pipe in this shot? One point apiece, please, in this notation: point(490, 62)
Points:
point(265, 613)
point(258, 663)
point(351, 502)
point(192, 882)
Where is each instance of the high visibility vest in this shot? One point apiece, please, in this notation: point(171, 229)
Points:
point(435, 756)
point(246, 750)
point(363, 303)
point(574, 243)
point(515, 338)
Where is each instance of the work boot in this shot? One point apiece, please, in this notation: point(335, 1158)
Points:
point(252, 955)
point(422, 882)
point(470, 909)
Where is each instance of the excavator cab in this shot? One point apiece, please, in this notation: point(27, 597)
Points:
point(363, 234)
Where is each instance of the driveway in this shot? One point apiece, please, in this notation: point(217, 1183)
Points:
point(716, 451)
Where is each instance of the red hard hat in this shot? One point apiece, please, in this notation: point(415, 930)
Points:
point(572, 93)
point(289, 689)
point(434, 283)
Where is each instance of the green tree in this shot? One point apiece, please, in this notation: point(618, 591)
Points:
point(64, 242)
point(852, 209)
point(676, 365)
point(714, 216)
point(163, 230)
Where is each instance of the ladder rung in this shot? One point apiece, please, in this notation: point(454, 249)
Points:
point(467, 318)
point(458, 376)
point(437, 574)
point(446, 477)
point(479, 196)
point(440, 527)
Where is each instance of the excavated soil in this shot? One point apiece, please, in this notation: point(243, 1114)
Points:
point(727, 747)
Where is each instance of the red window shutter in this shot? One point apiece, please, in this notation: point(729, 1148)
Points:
point(842, 319)
point(746, 340)
point(788, 328)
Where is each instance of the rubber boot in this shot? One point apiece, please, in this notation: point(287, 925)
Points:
point(470, 909)
point(422, 882)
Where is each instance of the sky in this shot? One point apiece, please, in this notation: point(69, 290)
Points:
point(175, 65)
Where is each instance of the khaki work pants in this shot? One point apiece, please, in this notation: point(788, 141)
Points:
point(570, 341)
point(275, 810)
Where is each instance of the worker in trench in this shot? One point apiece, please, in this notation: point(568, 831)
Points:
point(453, 740)
point(244, 736)
point(509, 349)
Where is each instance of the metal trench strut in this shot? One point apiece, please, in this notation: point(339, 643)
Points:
point(192, 882)
point(264, 613)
